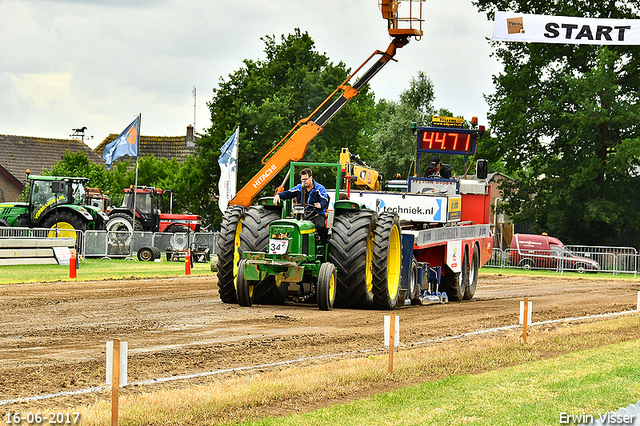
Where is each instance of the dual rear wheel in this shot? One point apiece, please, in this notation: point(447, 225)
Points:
point(246, 230)
point(462, 285)
point(366, 249)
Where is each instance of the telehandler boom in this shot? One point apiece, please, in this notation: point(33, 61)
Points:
point(294, 144)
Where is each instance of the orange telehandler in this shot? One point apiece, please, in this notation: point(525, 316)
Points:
point(245, 227)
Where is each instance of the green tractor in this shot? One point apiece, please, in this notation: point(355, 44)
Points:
point(292, 257)
point(54, 202)
point(360, 267)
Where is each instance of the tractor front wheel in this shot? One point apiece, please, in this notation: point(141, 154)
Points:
point(244, 288)
point(326, 288)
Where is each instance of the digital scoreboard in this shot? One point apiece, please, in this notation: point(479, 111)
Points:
point(447, 140)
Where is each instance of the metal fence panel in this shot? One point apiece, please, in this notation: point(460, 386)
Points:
point(575, 258)
point(92, 243)
point(118, 243)
point(95, 244)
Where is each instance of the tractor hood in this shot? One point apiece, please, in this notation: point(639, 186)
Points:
point(289, 226)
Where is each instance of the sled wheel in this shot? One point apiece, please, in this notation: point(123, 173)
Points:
point(470, 289)
point(414, 286)
point(455, 284)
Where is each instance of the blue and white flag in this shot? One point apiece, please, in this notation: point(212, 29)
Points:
point(125, 144)
point(228, 161)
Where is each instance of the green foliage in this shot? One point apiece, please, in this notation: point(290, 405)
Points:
point(182, 178)
point(393, 140)
point(266, 98)
point(77, 164)
point(566, 119)
point(396, 144)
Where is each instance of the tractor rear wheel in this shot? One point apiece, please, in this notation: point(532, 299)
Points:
point(245, 288)
point(351, 250)
point(326, 288)
point(229, 253)
point(180, 238)
point(66, 222)
point(122, 222)
point(387, 256)
point(255, 237)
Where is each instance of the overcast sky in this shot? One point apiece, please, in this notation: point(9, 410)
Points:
point(66, 64)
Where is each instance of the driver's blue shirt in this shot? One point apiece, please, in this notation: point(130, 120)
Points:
point(317, 194)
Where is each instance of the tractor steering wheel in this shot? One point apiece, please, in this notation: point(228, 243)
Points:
point(310, 214)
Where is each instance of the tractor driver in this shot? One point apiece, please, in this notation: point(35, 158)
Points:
point(313, 196)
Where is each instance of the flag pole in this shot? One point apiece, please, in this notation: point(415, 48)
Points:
point(135, 191)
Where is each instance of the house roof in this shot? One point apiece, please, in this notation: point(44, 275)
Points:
point(496, 176)
point(19, 153)
point(169, 147)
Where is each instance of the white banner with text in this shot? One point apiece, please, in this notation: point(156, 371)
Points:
point(511, 26)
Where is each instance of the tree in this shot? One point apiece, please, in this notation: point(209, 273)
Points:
point(266, 98)
point(565, 119)
point(182, 179)
point(77, 164)
point(394, 142)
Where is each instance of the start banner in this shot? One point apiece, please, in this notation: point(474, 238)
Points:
point(510, 26)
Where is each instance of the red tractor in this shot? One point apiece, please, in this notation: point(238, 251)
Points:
point(149, 216)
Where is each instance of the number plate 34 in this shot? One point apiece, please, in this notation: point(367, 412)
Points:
point(278, 246)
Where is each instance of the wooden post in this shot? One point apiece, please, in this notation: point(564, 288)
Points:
point(526, 319)
point(392, 339)
point(115, 382)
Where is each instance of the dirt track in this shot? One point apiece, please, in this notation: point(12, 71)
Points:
point(52, 336)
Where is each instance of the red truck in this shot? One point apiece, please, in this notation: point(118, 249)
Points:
point(530, 251)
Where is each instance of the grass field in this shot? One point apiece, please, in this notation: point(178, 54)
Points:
point(101, 269)
point(579, 370)
point(580, 384)
point(587, 369)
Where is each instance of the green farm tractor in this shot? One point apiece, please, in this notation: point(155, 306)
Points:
point(292, 256)
point(358, 268)
point(54, 202)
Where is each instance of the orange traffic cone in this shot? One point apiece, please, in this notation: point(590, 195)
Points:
point(72, 264)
